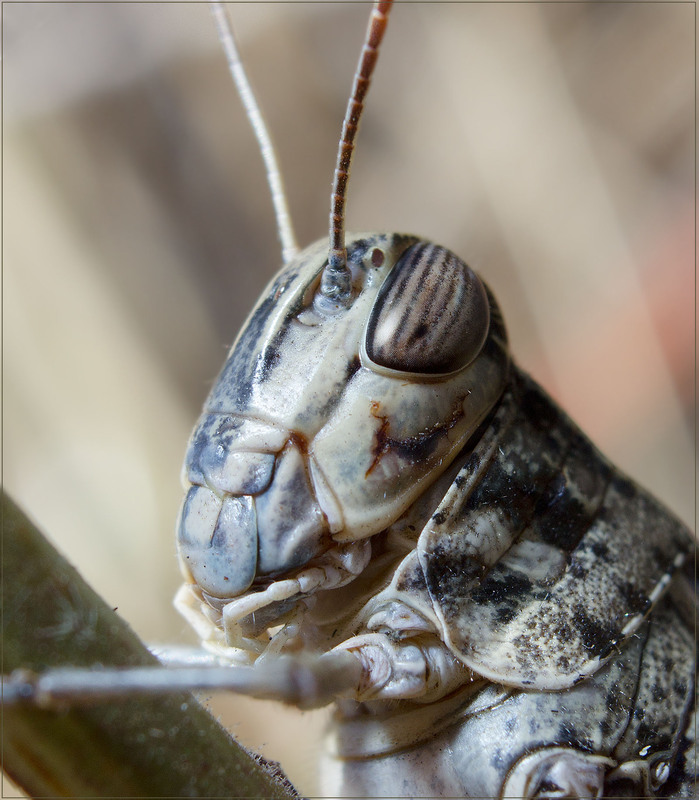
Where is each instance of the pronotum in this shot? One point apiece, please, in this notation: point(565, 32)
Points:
point(532, 30)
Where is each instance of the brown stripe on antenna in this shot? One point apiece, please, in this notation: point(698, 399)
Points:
point(336, 277)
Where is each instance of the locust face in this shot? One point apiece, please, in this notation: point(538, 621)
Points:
point(330, 418)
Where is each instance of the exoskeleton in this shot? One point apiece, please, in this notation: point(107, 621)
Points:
point(381, 478)
point(376, 487)
point(372, 474)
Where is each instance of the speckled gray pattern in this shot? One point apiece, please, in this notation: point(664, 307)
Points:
point(507, 586)
point(545, 587)
point(474, 754)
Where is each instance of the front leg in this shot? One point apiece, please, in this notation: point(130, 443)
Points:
point(421, 669)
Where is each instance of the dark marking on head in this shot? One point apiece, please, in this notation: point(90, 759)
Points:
point(497, 759)
point(353, 367)
point(299, 441)
point(239, 371)
point(415, 448)
point(271, 355)
point(357, 251)
point(689, 568)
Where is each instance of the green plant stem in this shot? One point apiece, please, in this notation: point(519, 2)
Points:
point(135, 747)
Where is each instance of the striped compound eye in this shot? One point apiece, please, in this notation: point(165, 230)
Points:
point(431, 316)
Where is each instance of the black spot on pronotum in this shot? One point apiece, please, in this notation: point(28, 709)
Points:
point(598, 638)
point(636, 600)
point(577, 570)
point(600, 549)
point(450, 574)
point(502, 589)
point(537, 407)
point(412, 580)
point(657, 692)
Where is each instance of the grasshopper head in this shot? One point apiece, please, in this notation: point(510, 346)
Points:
point(330, 418)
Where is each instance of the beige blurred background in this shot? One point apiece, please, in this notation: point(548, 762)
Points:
point(550, 145)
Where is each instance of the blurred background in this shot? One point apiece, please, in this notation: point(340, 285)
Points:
point(550, 145)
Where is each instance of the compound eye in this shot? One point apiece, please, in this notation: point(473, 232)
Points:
point(431, 315)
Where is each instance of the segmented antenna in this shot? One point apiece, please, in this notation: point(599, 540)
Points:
point(336, 276)
point(274, 178)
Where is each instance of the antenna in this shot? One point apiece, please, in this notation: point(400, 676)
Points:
point(307, 681)
point(252, 109)
point(335, 283)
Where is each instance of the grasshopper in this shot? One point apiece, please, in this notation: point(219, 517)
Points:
point(419, 228)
